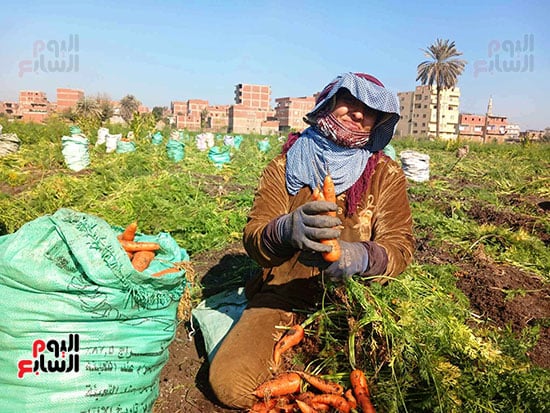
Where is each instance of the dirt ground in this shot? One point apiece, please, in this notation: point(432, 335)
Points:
point(500, 295)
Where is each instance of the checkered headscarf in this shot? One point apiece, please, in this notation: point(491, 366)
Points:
point(372, 93)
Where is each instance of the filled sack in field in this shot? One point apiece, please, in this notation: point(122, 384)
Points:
point(219, 155)
point(101, 136)
point(81, 329)
point(111, 142)
point(216, 315)
point(9, 143)
point(75, 151)
point(263, 145)
point(175, 150)
point(125, 146)
point(157, 138)
point(415, 165)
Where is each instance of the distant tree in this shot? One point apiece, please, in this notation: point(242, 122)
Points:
point(546, 136)
point(204, 116)
point(128, 106)
point(442, 70)
point(88, 107)
point(158, 112)
point(105, 106)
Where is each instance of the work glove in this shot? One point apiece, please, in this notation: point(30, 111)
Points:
point(354, 259)
point(306, 226)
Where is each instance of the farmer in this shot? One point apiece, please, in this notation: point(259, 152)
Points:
point(352, 121)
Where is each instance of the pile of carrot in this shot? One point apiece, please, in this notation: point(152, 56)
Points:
point(282, 393)
point(328, 193)
point(141, 254)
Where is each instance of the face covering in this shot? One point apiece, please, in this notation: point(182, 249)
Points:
point(333, 129)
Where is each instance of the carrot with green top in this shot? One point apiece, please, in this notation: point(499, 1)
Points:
point(291, 338)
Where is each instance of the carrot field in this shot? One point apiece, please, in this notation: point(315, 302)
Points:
point(466, 328)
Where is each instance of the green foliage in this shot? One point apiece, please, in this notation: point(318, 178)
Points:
point(415, 337)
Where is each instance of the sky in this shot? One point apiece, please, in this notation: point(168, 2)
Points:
point(166, 51)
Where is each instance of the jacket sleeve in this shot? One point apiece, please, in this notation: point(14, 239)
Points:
point(270, 201)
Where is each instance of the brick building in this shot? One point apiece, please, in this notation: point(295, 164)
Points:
point(217, 119)
point(33, 105)
point(10, 109)
point(188, 113)
point(68, 98)
point(419, 112)
point(483, 128)
point(252, 111)
point(291, 111)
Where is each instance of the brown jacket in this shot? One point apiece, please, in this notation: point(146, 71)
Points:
point(383, 220)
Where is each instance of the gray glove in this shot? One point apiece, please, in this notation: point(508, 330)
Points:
point(306, 226)
point(354, 260)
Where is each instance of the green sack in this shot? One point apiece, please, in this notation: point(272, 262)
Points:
point(264, 145)
point(175, 150)
point(220, 155)
point(81, 329)
point(125, 146)
point(157, 138)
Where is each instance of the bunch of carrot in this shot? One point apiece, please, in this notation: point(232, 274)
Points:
point(328, 193)
point(141, 254)
point(283, 394)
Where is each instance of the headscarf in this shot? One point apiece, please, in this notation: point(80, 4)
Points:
point(309, 156)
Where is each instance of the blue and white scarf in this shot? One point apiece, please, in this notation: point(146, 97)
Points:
point(309, 157)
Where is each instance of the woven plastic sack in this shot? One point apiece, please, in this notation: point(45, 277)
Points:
point(75, 152)
point(216, 315)
point(111, 142)
point(157, 138)
point(219, 155)
point(125, 146)
point(415, 165)
point(75, 130)
point(264, 145)
point(101, 136)
point(175, 150)
point(81, 330)
point(9, 143)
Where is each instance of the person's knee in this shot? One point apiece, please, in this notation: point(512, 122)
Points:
point(233, 387)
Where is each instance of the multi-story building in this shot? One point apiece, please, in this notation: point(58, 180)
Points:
point(483, 128)
point(68, 98)
point(419, 109)
point(217, 118)
point(252, 112)
point(33, 105)
point(291, 111)
point(10, 109)
point(253, 96)
point(188, 113)
point(512, 132)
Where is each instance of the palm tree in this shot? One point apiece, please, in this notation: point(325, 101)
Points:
point(87, 107)
point(128, 105)
point(442, 70)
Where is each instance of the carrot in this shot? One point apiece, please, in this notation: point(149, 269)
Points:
point(130, 255)
point(165, 271)
point(304, 407)
point(142, 259)
point(320, 407)
point(328, 194)
point(361, 390)
point(133, 246)
point(351, 399)
point(280, 385)
point(289, 340)
point(334, 400)
point(263, 406)
point(321, 384)
point(129, 232)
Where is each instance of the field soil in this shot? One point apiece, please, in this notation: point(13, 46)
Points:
point(501, 296)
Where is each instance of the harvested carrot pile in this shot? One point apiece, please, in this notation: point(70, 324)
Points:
point(299, 391)
point(283, 393)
